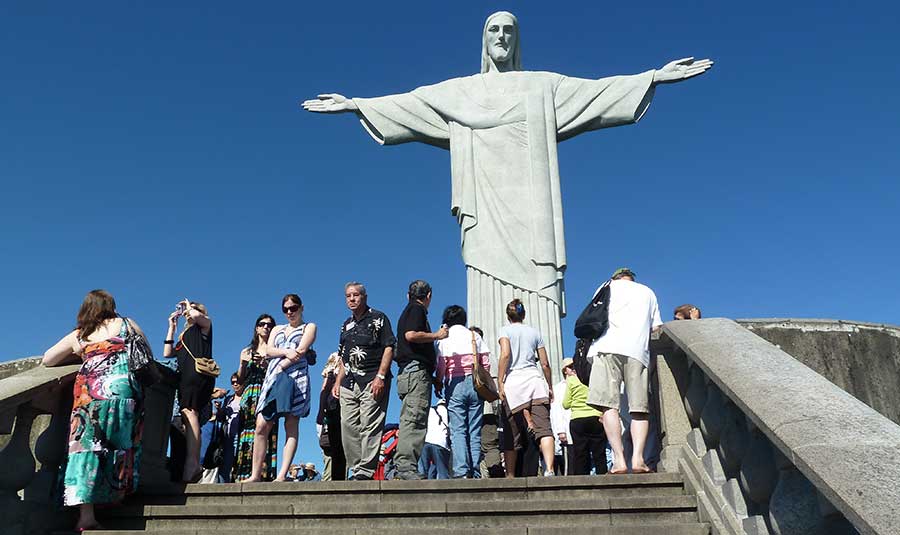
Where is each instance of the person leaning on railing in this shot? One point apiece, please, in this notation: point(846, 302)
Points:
point(107, 414)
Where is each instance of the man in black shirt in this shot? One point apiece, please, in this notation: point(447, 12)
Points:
point(366, 349)
point(415, 362)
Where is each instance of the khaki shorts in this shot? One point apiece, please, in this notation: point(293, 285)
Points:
point(607, 373)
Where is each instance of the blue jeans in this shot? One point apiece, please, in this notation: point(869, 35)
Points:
point(434, 462)
point(465, 409)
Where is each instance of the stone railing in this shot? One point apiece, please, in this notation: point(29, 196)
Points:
point(769, 445)
point(35, 408)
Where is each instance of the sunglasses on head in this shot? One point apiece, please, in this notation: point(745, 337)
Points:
point(292, 308)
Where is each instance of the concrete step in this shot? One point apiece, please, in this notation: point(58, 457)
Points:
point(549, 529)
point(419, 514)
point(573, 487)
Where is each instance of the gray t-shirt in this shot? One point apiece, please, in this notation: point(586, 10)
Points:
point(524, 341)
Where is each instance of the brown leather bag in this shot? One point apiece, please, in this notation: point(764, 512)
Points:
point(203, 365)
point(484, 383)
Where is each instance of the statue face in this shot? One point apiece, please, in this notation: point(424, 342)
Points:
point(501, 38)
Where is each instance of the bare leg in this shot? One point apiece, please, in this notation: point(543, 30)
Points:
point(509, 457)
point(86, 518)
point(191, 420)
point(260, 447)
point(640, 427)
point(548, 446)
point(526, 413)
point(291, 430)
point(613, 429)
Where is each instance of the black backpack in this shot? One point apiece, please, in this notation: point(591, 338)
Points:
point(590, 325)
point(594, 320)
point(580, 363)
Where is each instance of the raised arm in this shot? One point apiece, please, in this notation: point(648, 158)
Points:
point(681, 69)
point(329, 103)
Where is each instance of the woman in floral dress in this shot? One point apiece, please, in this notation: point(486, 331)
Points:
point(107, 415)
point(251, 374)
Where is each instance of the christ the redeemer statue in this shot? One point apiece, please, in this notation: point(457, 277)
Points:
point(502, 127)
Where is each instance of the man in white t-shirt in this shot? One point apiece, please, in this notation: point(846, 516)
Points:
point(622, 354)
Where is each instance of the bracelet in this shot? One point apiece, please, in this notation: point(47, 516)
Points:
point(168, 342)
point(380, 376)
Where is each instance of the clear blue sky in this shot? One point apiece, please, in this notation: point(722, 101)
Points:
point(160, 153)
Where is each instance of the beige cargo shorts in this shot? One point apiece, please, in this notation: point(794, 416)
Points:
point(607, 373)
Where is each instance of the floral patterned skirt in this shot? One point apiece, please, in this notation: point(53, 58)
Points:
point(106, 428)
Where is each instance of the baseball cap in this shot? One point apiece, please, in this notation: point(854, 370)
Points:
point(566, 362)
point(621, 272)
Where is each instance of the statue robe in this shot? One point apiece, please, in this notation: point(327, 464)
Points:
point(502, 130)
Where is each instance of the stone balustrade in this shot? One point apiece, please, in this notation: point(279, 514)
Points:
point(35, 407)
point(769, 445)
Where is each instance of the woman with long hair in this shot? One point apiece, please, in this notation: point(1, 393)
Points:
point(107, 415)
point(524, 384)
point(285, 390)
point(194, 388)
point(456, 356)
point(251, 374)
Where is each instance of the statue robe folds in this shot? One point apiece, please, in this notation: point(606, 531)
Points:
point(502, 130)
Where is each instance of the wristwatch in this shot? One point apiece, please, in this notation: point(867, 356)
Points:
point(380, 376)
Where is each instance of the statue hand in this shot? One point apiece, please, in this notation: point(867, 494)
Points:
point(681, 69)
point(329, 103)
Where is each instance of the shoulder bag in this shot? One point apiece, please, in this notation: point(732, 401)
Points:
point(203, 365)
point(484, 383)
point(141, 363)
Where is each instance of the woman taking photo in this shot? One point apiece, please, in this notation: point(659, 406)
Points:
point(456, 356)
point(251, 374)
point(194, 388)
point(107, 416)
point(285, 390)
point(524, 388)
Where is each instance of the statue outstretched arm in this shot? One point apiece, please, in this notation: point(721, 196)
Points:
point(681, 69)
point(330, 103)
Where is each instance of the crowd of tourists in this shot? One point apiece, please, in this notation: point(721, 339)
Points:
point(535, 427)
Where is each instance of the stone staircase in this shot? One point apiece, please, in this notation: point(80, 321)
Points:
point(622, 504)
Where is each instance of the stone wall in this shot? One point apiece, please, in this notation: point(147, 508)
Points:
point(13, 367)
point(861, 358)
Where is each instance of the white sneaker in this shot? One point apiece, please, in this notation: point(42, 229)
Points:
point(549, 473)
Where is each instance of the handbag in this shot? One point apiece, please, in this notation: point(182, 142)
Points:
point(215, 452)
point(141, 363)
point(484, 383)
point(203, 365)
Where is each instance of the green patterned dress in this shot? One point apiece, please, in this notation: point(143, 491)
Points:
point(243, 462)
point(106, 427)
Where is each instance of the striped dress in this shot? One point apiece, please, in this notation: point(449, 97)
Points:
point(243, 462)
point(288, 389)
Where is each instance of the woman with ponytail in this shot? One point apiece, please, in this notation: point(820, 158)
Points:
point(524, 379)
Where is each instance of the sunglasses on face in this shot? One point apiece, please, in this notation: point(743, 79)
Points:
point(292, 308)
point(266, 324)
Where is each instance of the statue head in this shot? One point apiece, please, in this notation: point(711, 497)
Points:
point(501, 48)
